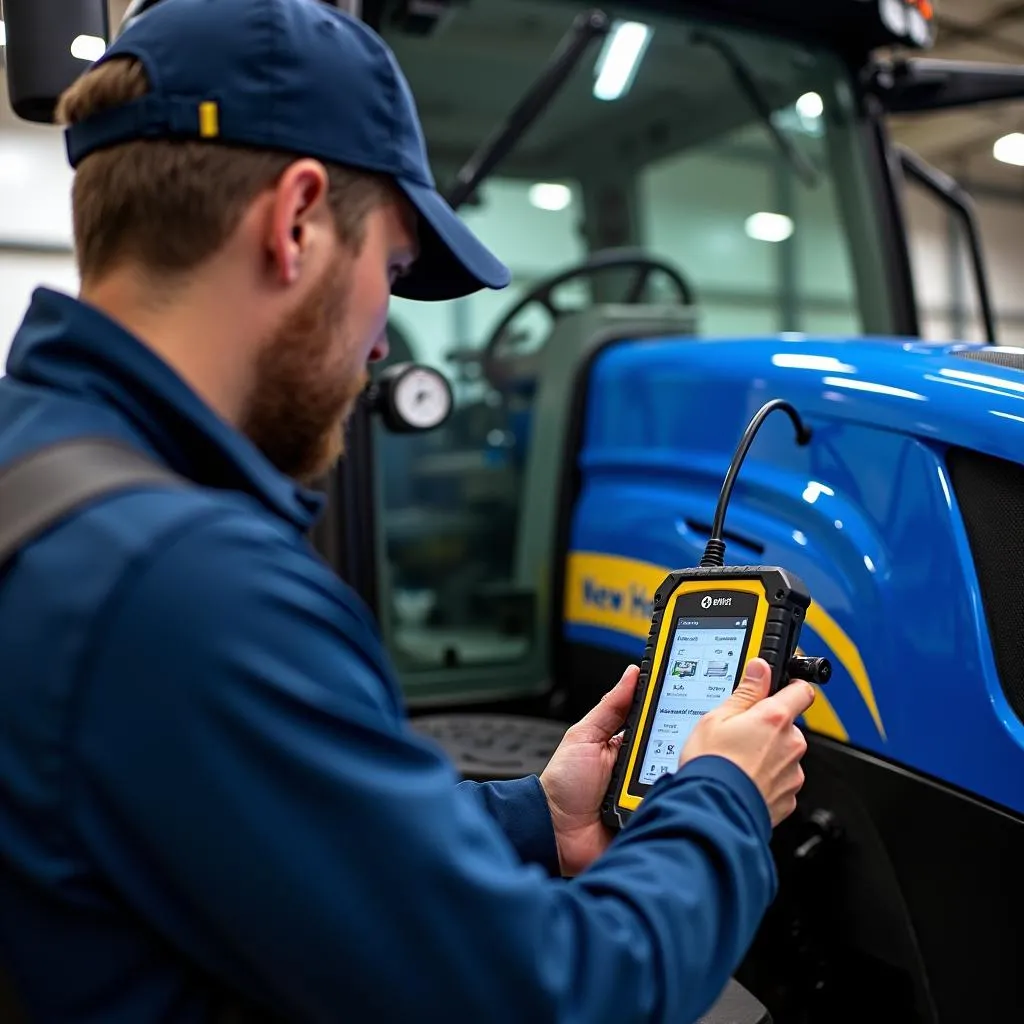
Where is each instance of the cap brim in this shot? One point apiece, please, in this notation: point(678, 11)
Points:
point(452, 262)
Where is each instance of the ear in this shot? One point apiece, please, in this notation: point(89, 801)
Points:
point(299, 217)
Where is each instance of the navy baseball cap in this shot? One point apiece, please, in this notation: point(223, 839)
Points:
point(298, 76)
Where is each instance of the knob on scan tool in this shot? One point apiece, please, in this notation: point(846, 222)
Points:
point(708, 622)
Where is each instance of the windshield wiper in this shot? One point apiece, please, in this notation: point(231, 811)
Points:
point(585, 29)
point(806, 170)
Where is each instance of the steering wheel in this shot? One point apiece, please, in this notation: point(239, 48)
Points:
point(641, 263)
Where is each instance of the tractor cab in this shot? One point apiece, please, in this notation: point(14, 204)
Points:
point(654, 196)
point(693, 170)
point(703, 209)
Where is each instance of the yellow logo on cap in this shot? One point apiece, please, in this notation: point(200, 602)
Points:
point(209, 120)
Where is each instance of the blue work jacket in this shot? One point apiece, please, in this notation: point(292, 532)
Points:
point(208, 782)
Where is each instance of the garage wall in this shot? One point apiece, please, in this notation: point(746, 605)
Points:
point(1002, 232)
point(692, 211)
point(943, 275)
point(35, 222)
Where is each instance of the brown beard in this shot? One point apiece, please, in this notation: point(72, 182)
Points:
point(302, 397)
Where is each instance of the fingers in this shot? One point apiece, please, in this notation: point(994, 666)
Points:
point(753, 687)
point(605, 720)
point(793, 700)
point(787, 803)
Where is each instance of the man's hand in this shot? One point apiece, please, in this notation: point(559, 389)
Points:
point(578, 775)
point(757, 733)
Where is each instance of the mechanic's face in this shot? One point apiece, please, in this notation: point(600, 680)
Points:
point(314, 368)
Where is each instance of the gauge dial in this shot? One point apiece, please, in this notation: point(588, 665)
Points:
point(421, 398)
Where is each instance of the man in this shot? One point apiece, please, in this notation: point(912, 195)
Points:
point(210, 794)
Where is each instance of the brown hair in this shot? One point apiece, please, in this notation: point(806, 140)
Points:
point(170, 205)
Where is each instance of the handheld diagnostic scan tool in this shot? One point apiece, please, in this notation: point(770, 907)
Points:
point(707, 624)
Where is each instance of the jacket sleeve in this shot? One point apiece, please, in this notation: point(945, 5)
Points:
point(242, 776)
point(520, 809)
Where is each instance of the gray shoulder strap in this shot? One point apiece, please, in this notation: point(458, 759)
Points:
point(43, 487)
point(38, 491)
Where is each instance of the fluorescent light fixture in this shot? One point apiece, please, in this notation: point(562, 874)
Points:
point(548, 196)
point(620, 58)
point(810, 105)
point(1010, 149)
point(89, 48)
point(769, 227)
point(3, 34)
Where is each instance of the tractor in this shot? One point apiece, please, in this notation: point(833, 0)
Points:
point(585, 419)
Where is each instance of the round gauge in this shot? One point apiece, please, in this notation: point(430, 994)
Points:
point(421, 398)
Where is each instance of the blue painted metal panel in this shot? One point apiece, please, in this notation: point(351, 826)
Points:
point(865, 514)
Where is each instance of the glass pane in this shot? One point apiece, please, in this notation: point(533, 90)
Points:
point(677, 163)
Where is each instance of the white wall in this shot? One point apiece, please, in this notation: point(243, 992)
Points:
point(693, 210)
point(20, 273)
point(1002, 232)
point(35, 216)
point(933, 252)
point(35, 188)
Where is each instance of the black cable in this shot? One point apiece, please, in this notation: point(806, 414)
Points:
point(714, 552)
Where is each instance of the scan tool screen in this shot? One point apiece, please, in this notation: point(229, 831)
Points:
point(702, 667)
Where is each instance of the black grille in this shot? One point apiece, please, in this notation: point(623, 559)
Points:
point(1012, 358)
point(990, 492)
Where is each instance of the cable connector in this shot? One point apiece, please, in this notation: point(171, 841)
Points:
point(714, 554)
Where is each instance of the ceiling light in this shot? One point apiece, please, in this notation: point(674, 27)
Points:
point(546, 196)
point(89, 48)
point(3, 34)
point(769, 227)
point(810, 105)
point(1010, 149)
point(620, 58)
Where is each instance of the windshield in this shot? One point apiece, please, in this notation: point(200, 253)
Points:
point(678, 164)
point(730, 155)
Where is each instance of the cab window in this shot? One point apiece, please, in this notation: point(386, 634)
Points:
point(728, 155)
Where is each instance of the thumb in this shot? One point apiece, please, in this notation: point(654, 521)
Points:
point(601, 723)
point(753, 687)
